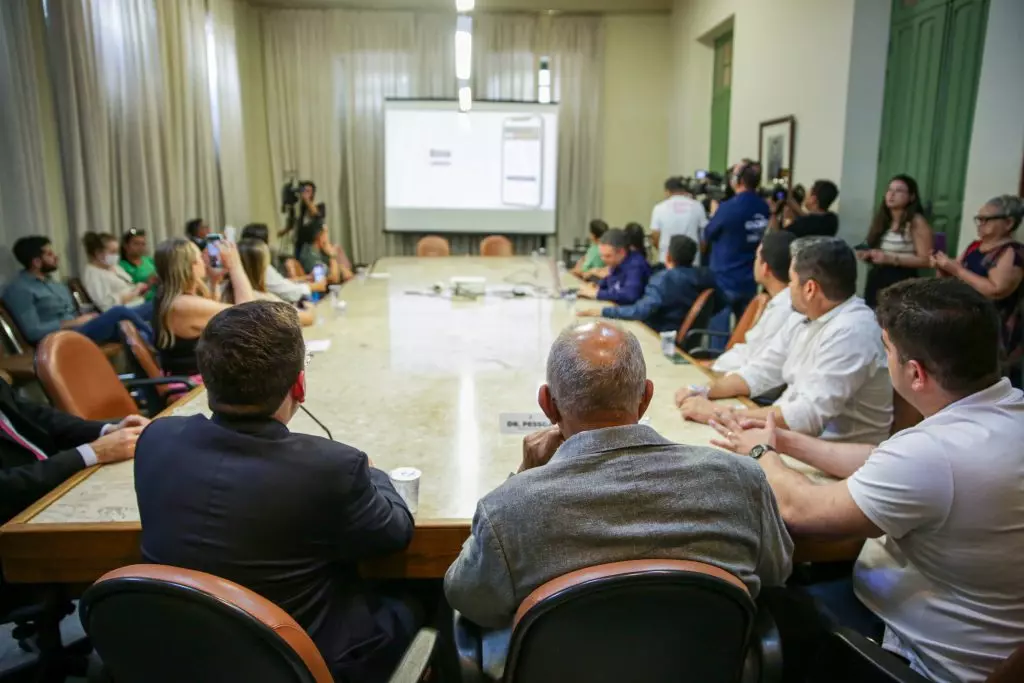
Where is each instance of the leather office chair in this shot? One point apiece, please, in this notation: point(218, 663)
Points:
point(496, 245)
point(19, 346)
point(433, 246)
point(293, 269)
point(699, 314)
point(642, 620)
point(78, 292)
point(161, 394)
point(749, 318)
point(160, 624)
point(78, 380)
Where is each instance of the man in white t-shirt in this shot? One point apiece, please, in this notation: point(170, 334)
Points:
point(679, 214)
point(945, 579)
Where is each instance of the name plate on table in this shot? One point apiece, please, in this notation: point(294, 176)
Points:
point(522, 423)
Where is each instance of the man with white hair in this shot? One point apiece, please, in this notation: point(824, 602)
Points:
point(598, 487)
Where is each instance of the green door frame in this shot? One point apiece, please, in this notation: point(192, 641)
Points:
point(721, 102)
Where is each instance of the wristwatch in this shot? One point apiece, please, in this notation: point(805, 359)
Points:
point(757, 452)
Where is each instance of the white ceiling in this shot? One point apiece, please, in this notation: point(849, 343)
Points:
point(616, 6)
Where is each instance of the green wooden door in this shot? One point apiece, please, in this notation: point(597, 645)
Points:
point(931, 85)
point(721, 98)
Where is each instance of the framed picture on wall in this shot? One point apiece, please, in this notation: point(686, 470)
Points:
point(776, 150)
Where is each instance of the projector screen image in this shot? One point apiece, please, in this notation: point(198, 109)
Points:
point(492, 170)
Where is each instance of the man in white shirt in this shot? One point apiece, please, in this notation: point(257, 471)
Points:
point(679, 214)
point(771, 271)
point(831, 361)
point(945, 580)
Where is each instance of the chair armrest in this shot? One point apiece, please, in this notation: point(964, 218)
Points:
point(157, 381)
point(765, 648)
point(469, 648)
point(709, 333)
point(417, 658)
point(704, 353)
point(872, 657)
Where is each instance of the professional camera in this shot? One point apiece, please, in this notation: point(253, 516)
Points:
point(780, 193)
point(291, 193)
point(710, 185)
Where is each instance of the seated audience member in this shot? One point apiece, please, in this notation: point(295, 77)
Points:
point(678, 214)
point(106, 282)
point(284, 514)
point(255, 257)
point(831, 361)
point(994, 265)
point(184, 305)
point(40, 305)
point(597, 462)
point(628, 271)
point(946, 493)
point(137, 262)
point(814, 218)
point(592, 259)
point(197, 230)
point(900, 240)
point(317, 250)
point(278, 284)
point(771, 271)
point(41, 447)
point(670, 293)
point(637, 237)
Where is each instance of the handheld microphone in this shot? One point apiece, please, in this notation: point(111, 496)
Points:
point(319, 423)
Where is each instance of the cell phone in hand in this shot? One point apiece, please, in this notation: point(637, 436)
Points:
point(212, 249)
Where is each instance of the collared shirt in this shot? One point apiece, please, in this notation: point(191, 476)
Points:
point(835, 372)
point(771, 323)
point(85, 450)
point(283, 287)
point(625, 282)
point(677, 215)
point(39, 306)
point(947, 577)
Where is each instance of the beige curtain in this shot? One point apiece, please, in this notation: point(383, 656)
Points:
point(328, 73)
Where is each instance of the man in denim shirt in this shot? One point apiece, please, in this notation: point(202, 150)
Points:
point(669, 294)
point(628, 274)
point(41, 305)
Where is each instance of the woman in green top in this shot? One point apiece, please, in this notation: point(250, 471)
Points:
point(136, 262)
point(592, 259)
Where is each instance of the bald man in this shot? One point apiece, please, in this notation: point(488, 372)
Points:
point(599, 487)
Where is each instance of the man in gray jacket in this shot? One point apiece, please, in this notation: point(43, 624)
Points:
point(599, 487)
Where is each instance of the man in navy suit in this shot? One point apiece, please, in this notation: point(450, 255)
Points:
point(287, 515)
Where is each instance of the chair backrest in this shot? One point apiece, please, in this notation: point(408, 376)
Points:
point(696, 313)
point(497, 245)
point(14, 339)
point(432, 245)
point(79, 293)
point(78, 378)
point(1011, 670)
point(160, 624)
point(293, 269)
point(643, 620)
point(749, 318)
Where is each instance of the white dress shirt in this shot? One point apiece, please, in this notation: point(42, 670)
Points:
point(771, 322)
point(677, 215)
point(946, 578)
point(283, 287)
point(835, 372)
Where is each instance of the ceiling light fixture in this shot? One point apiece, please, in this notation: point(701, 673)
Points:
point(464, 5)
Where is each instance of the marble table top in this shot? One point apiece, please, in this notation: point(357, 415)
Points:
point(417, 379)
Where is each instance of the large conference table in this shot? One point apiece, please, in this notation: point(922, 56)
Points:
point(414, 379)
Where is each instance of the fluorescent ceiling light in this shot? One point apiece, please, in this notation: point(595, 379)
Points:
point(464, 5)
point(465, 98)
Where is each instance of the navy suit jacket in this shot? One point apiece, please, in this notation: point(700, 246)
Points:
point(667, 299)
point(286, 515)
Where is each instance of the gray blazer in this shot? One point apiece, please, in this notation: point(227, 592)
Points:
point(622, 493)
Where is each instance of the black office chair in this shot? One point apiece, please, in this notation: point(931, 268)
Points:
point(161, 624)
point(645, 620)
point(849, 657)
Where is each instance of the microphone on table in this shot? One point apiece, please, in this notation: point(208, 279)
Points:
point(313, 418)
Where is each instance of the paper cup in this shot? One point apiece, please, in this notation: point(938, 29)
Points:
point(407, 483)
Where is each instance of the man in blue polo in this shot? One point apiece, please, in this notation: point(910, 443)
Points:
point(733, 235)
point(627, 275)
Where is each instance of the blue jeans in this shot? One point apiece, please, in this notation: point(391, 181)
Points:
point(104, 328)
point(736, 302)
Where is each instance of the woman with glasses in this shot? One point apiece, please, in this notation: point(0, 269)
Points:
point(136, 262)
point(900, 240)
point(994, 265)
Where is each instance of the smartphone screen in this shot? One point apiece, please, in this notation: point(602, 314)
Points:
point(212, 249)
point(522, 161)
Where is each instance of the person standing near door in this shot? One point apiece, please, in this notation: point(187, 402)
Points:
point(900, 239)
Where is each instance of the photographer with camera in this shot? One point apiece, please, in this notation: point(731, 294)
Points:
point(734, 233)
point(299, 202)
point(678, 214)
point(814, 217)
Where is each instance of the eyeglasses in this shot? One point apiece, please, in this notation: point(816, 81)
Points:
point(981, 220)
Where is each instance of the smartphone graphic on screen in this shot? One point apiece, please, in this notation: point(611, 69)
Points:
point(522, 161)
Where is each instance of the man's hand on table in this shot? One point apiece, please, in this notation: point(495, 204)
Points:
point(116, 445)
point(540, 446)
point(130, 421)
point(589, 313)
point(587, 291)
point(691, 391)
point(741, 435)
point(700, 409)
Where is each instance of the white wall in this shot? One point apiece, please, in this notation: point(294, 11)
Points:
point(637, 99)
point(997, 141)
